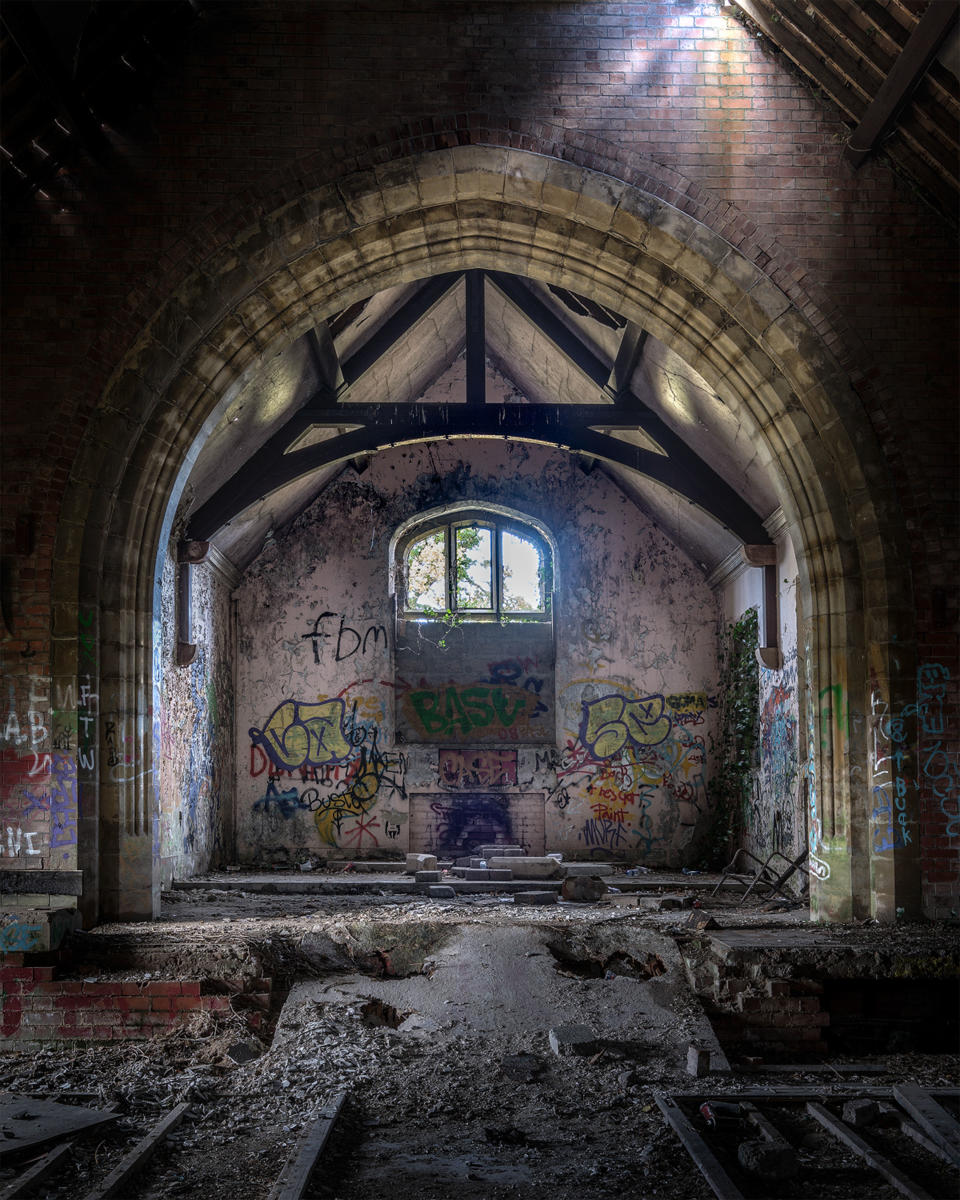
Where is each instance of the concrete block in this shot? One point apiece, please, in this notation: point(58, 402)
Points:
point(668, 903)
point(488, 852)
point(583, 889)
point(443, 892)
point(526, 868)
point(502, 876)
point(623, 901)
point(420, 862)
point(474, 873)
point(861, 1112)
point(535, 898)
point(775, 1161)
point(464, 862)
point(698, 1060)
point(570, 869)
point(476, 863)
point(573, 1039)
point(429, 877)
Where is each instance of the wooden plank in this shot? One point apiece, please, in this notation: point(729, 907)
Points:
point(24, 1184)
point(931, 1117)
point(907, 71)
point(300, 1166)
point(28, 1181)
point(720, 1182)
point(137, 1159)
point(855, 1142)
point(912, 1131)
point(476, 339)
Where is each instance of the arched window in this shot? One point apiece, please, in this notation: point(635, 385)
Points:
point(478, 565)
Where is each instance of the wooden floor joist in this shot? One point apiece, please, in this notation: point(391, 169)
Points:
point(138, 1157)
point(720, 1182)
point(300, 1166)
point(931, 1117)
point(856, 1143)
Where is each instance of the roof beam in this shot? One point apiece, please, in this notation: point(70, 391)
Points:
point(560, 424)
point(397, 326)
point(28, 31)
point(628, 356)
point(243, 487)
point(552, 328)
point(908, 69)
point(476, 340)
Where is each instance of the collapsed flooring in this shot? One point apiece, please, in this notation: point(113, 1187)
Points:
point(434, 1018)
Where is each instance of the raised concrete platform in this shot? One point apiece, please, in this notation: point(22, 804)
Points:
point(394, 879)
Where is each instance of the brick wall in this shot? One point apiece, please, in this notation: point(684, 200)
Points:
point(454, 823)
point(270, 98)
point(40, 1006)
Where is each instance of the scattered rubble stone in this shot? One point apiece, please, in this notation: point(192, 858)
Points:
point(526, 868)
point(535, 898)
point(775, 1161)
point(573, 1039)
point(420, 862)
point(861, 1112)
point(583, 889)
point(443, 892)
point(245, 1051)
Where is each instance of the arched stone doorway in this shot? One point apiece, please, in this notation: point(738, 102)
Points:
point(528, 214)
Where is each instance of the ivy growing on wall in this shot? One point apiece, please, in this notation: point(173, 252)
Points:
point(731, 785)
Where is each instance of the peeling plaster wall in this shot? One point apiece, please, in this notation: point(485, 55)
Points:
point(194, 751)
point(320, 771)
point(774, 819)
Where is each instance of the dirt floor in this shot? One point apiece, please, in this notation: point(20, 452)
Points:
point(434, 1019)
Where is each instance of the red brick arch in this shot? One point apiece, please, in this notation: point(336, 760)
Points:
point(638, 239)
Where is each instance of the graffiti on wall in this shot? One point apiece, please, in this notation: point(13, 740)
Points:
point(300, 734)
point(936, 769)
point(498, 712)
point(776, 800)
point(464, 769)
point(345, 640)
point(626, 749)
point(338, 756)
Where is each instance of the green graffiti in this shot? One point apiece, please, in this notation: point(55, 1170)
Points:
point(458, 710)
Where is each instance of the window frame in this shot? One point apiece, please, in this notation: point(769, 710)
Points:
point(498, 524)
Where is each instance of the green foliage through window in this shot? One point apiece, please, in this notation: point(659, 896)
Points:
point(477, 568)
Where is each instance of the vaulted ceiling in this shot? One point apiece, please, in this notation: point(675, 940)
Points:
point(480, 354)
point(477, 353)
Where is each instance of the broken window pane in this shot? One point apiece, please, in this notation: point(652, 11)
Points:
point(522, 572)
point(474, 567)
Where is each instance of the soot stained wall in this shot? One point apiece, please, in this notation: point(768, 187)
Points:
point(320, 771)
point(193, 727)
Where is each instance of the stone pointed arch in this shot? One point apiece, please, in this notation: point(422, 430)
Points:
point(497, 208)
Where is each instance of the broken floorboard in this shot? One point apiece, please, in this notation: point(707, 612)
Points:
point(715, 1127)
point(300, 1166)
point(138, 1157)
